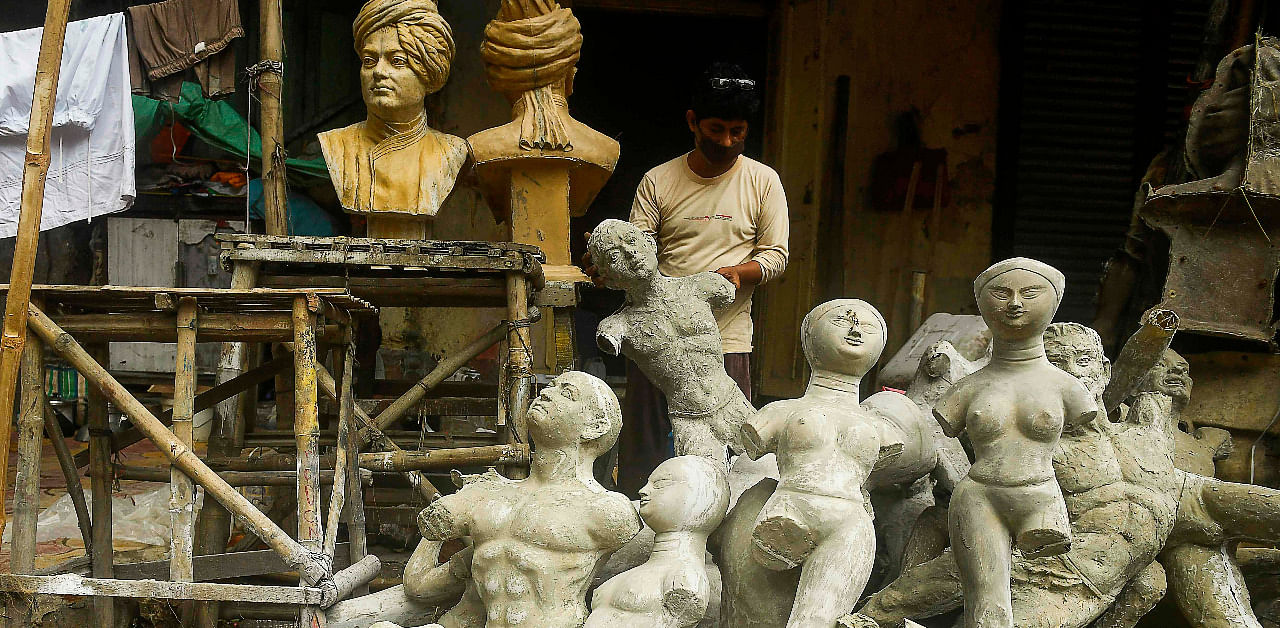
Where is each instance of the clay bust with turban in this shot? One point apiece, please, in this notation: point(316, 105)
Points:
point(393, 166)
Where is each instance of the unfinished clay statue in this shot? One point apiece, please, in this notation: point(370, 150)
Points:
point(667, 328)
point(818, 517)
point(537, 541)
point(393, 168)
point(1196, 449)
point(1014, 410)
point(684, 501)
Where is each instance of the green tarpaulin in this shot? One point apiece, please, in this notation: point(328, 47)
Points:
point(215, 122)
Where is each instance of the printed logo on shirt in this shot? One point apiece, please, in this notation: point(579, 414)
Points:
point(723, 217)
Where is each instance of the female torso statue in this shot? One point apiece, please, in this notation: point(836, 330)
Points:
point(393, 168)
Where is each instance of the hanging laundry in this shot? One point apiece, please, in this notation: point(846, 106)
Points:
point(168, 38)
point(91, 148)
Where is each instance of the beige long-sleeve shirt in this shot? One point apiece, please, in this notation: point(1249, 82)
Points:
point(704, 224)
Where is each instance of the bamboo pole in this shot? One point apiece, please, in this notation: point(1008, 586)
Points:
point(71, 474)
point(306, 429)
point(35, 169)
point(356, 532)
point(178, 453)
point(342, 454)
point(444, 459)
point(100, 451)
point(233, 478)
point(517, 371)
point(26, 495)
point(448, 366)
point(182, 493)
point(270, 94)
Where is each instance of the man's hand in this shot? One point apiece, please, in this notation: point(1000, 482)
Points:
point(589, 267)
point(749, 273)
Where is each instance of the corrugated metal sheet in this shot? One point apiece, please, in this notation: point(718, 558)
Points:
point(1084, 66)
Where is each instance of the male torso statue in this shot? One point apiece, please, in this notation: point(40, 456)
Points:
point(684, 500)
point(668, 329)
point(537, 541)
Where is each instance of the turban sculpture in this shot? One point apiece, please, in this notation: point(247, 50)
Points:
point(422, 31)
point(529, 47)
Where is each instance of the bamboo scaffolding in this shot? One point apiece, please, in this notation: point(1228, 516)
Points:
point(310, 566)
point(346, 405)
point(182, 493)
point(35, 169)
point(233, 478)
point(70, 474)
point(26, 496)
point(271, 94)
point(306, 427)
point(100, 450)
point(444, 459)
point(518, 367)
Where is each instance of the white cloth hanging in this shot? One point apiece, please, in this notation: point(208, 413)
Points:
point(92, 144)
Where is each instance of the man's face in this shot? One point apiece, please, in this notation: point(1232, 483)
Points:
point(1017, 304)
point(1080, 357)
point(1170, 376)
point(720, 141)
point(391, 89)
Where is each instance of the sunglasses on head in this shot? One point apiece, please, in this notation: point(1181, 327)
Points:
point(730, 83)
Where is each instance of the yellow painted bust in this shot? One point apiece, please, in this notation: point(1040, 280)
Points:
point(393, 167)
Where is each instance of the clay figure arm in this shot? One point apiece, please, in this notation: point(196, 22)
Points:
point(1079, 404)
point(718, 290)
point(686, 594)
point(760, 432)
point(447, 518)
point(609, 334)
point(428, 580)
point(951, 409)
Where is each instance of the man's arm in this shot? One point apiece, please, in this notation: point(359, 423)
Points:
point(773, 230)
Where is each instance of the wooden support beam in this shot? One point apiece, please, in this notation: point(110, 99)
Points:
point(447, 367)
point(306, 426)
point(26, 496)
point(342, 454)
point(179, 454)
point(222, 566)
point(35, 168)
point(207, 399)
point(233, 478)
point(445, 459)
point(72, 476)
point(71, 584)
point(182, 492)
point(100, 450)
point(271, 94)
point(517, 372)
point(161, 327)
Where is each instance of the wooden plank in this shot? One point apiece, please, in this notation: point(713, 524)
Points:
point(35, 169)
point(160, 327)
point(182, 493)
point(233, 478)
point(71, 584)
point(204, 400)
point(228, 300)
point(397, 291)
point(222, 566)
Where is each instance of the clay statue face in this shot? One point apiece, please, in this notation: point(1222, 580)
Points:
point(391, 88)
point(684, 493)
point(1080, 355)
point(846, 340)
point(575, 408)
point(1017, 304)
point(624, 257)
point(1170, 376)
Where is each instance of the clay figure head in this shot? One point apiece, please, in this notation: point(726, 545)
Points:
point(843, 336)
point(1018, 297)
point(1077, 350)
point(1170, 376)
point(685, 493)
point(405, 49)
point(575, 409)
point(624, 255)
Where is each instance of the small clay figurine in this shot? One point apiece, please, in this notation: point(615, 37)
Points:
point(684, 501)
point(537, 541)
point(667, 328)
point(394, 168)
point(1014, 410)
point(819, 516)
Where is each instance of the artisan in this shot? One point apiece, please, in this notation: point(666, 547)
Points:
point(712, 209)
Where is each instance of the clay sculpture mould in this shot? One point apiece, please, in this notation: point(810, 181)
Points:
point(1014, 410)
point(666, 327)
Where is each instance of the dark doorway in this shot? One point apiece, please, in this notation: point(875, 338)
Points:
point(633, 84)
